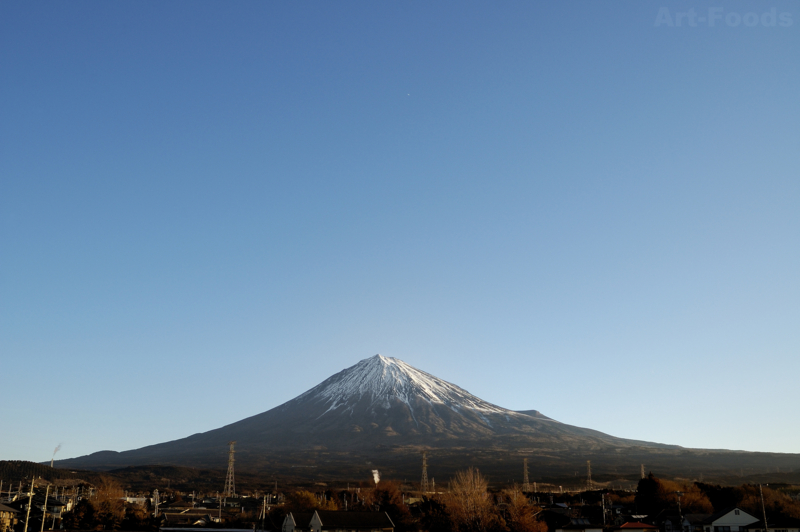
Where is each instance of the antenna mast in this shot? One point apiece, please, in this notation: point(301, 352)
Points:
point(230, 489)
point(423, 485)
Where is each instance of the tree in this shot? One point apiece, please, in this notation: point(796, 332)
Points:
point(137, 518)
point(695, 501)
point(775, 502)
point(520, 514)
point(654, 495)
point(433, 516)
point(647, 499)
point(469, 504)
point(80, 518)
point(108, 503)
point(305, 501)
point(387, 497)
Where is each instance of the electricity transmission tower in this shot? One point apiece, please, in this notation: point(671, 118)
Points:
point(588, 474)
point(423, 485)
point(526, 485)
point(230, 489)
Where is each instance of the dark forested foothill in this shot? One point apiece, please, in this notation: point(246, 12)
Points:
point(20, 469)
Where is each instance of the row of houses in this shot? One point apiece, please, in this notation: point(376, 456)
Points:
point(732, 519)
point(333, 521)
point(48, 509)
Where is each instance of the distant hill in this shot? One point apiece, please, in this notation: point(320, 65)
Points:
point(15, 470)
point(136, 478)
point(381, 412)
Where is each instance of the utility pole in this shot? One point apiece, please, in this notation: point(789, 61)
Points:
point(263, 516)
point(53, 526)
point(30, 503)
point(44, 511)
point(603, 504)
point(763, 510)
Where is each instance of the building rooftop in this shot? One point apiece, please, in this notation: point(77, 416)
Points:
point(354, 520)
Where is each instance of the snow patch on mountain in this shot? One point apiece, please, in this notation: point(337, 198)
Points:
point(381, 379)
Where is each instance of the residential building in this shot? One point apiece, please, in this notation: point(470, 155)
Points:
point(695, 522)
point(297, 522)
point(776, 524)
point(580, 524)
point(637, 526)
point(8, 518)
point(729, 520)
point(331, 521)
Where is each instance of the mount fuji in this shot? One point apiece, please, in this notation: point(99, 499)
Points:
point(382, 411)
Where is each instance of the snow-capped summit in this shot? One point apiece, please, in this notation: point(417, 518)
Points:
point(381, 379)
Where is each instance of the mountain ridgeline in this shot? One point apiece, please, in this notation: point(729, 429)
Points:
point(381, 412)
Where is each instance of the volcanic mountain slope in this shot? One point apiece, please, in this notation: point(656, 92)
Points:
point(377, 411)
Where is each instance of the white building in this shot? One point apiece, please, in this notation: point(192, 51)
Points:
point(331, 521)
point(730, 520)
point(297, 522)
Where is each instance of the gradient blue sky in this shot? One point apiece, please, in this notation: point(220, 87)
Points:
point(208, 208)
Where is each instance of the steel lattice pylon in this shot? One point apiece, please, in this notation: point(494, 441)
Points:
point(589, 484)
point(423, 485)
point(526, 485)
point(230, 487)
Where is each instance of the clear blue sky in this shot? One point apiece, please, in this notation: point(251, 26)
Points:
point(208, 208)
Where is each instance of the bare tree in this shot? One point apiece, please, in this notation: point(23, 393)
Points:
point(109, 504)
point(520, 513)
point(469, 504)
